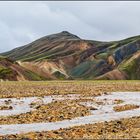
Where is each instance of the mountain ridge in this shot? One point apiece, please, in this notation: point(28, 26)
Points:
point(67, 56)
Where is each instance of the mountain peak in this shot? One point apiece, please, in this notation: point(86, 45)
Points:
point(65, 32)
point(68, 34)
point(64, 35)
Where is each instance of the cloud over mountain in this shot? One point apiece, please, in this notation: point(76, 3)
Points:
point(23, 22)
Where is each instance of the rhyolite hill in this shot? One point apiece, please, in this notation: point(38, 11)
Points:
point(66, 56)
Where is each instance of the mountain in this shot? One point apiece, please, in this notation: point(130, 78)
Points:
point(10, 70)
point(66, 56)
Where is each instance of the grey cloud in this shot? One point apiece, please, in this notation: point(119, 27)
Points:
point(114, 20)
point(23, 22)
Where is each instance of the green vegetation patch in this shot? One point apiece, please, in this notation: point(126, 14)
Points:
point(2, 57)
point(131, 67)
point(33, 76)
point(83, 69)
point(59, 75)
point(102, 56)
point(5, 72)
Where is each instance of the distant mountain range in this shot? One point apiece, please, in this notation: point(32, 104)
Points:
point(66, 56)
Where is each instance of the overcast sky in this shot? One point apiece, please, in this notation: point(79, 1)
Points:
point(23, 22)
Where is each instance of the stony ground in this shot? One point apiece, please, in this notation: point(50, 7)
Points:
point(85, 88)
point(120, 129)
point(125, 107)
point(124, 128)
point(52, 112)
